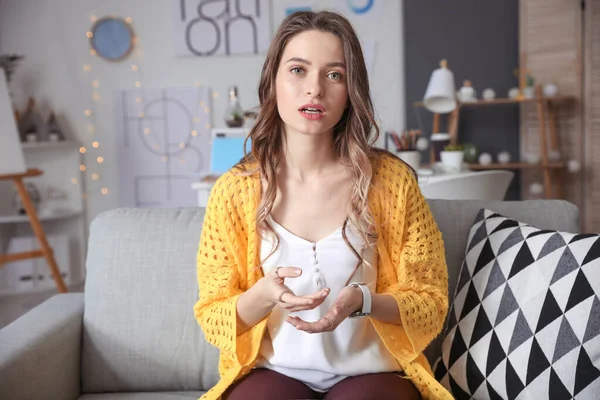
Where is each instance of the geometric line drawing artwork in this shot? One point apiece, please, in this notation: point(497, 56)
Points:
point(163, 145)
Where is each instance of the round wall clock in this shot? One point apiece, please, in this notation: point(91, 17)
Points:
point(112, 38)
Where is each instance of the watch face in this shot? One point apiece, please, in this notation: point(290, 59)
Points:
point(112, 38)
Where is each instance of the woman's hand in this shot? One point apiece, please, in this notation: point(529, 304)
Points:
point(349, 300)
point(279, 294)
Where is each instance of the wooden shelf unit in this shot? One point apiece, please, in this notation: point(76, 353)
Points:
point(548, 140)
point(481, 102)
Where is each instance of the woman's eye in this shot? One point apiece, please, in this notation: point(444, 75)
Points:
point(335, 75)
point(296, 70)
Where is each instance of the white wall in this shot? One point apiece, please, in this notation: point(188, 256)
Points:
point(52, 36)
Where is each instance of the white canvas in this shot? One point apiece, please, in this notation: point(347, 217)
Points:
point(208, 28)
point(11, 154)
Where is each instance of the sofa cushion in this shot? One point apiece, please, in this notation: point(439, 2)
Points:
point(525, 317)
point(455, 219)
point(140, 333)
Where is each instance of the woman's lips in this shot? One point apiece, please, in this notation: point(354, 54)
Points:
point(312, 112)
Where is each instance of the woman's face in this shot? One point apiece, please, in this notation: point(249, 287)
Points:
point(311, 86)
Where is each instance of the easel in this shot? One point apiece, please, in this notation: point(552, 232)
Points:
point(46, 250)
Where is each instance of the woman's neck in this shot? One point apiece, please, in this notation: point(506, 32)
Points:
point(307, 157)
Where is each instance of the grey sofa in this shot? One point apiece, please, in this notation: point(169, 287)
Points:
point(132, 334)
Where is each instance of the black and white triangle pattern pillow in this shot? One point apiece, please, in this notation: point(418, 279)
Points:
point(525, 318)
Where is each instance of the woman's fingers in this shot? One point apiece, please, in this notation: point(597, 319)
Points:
point(339, 311)
point(303, 308)
point(287, 299)
point(291, 302)
point(290, 299)
point(321, 294)
point(317, 299)
point(287, 272)
point(326, 324)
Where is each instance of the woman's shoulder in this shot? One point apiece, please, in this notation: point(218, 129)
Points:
point(239, 183)
point(390, 171)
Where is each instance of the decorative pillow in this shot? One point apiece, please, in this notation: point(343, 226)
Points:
point(525, 318)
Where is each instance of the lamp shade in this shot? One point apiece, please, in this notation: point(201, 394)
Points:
point(440, 96)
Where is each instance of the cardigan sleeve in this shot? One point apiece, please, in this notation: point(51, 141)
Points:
point(219, 278)
point(416, 250)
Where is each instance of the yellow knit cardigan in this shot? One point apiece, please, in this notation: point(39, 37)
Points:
point(412, 269)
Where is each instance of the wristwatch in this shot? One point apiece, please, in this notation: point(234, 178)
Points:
point(366, 307)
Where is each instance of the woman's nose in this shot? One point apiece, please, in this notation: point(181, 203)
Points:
point(314, 87)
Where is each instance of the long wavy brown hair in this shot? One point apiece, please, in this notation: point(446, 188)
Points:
point(354, 134)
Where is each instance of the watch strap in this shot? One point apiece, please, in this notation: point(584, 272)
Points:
point(367, 300)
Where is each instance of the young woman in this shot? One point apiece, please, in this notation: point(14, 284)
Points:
point(321, 271)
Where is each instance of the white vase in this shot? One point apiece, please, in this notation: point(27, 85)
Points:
point(550, 90)
point(485, 159)
point(529, 92)
point(513, 93)
point(488, 94)
point(452, 160)
point(504, 157)
point(412, 158)
point(531, 158)
point(468, 94)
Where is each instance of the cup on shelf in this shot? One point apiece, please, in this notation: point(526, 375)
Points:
point(412, 158)
point(438, 142)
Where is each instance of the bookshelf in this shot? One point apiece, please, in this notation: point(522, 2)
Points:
point(545, 106)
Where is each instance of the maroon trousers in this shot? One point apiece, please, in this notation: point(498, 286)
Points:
point(264, 384)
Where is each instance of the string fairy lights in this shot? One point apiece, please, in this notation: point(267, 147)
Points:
point(93, 148)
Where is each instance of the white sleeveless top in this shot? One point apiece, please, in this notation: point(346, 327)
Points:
point(321, 360)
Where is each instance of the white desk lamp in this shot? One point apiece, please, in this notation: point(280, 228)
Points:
point(440, 96)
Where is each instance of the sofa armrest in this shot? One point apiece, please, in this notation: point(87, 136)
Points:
point(40, 352)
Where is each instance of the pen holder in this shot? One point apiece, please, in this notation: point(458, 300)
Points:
point(412, 158)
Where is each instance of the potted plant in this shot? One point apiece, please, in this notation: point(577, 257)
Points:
point(452, 157)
